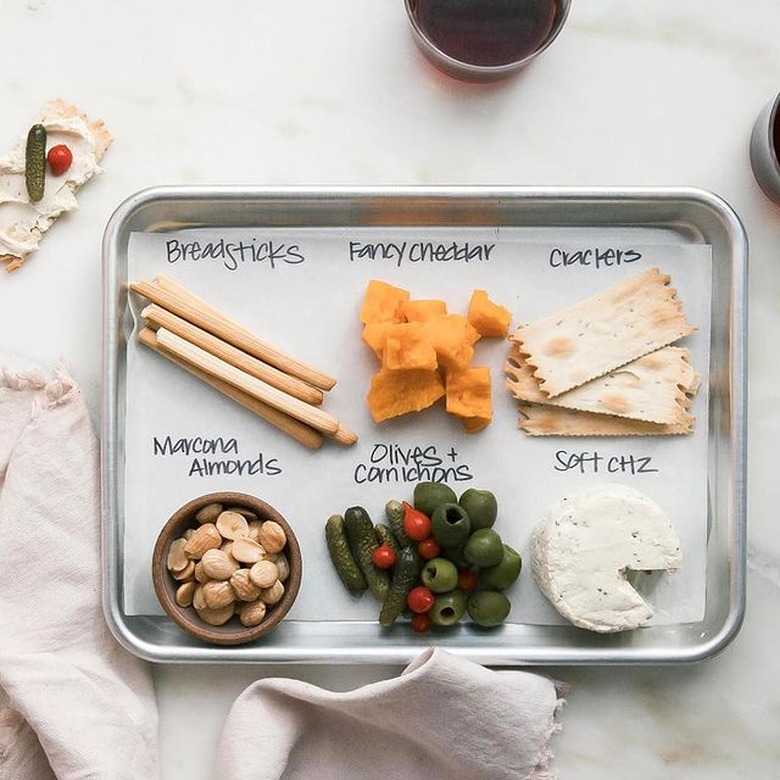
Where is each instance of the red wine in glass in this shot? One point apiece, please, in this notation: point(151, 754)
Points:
point(486, 32)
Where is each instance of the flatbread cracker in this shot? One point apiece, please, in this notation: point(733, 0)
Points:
point(656, 387)
point(603, 332)
point(538, 420)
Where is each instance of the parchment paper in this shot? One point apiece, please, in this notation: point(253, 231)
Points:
point(306, 297)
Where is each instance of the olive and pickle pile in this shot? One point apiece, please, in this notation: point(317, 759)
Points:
point(438, 558)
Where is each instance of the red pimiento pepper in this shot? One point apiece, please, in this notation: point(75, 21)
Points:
point(60, 159)
point(383, 556)
point(428, 548)
point(417, 526)
point(420, 600)
point(467, 580)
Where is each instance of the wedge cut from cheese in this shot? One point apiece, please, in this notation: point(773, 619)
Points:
point(586, 544)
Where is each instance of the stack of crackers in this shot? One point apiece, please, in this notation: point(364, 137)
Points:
point(606, 366)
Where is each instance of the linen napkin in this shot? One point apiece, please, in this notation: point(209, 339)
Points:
point(79, 706)
point(444, 717)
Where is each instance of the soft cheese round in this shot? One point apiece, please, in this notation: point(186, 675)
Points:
point(584, 547)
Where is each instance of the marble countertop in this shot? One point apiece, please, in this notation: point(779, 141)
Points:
point(653, 92)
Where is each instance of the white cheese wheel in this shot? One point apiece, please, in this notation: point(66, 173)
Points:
point(586, 544)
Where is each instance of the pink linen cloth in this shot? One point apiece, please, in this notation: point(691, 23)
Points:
point(78, 705)
point(444, 717)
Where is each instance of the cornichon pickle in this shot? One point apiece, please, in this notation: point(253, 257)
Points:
point(35, 162)
point(405, 573)
point(362, 542)
point(394, 512)
point(343, 560)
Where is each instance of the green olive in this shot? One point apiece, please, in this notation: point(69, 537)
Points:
point(504, 573)
point(428, 495)
point(484, 548)
point(448, 608)
point(481, 507)
point(488, 607)
point(450, 525)
point(440, 575)
point(455, 554)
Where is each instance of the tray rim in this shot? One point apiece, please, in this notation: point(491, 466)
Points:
point(402, 653)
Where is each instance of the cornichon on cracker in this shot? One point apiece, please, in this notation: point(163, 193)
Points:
point(35, 162)
point(341, 556)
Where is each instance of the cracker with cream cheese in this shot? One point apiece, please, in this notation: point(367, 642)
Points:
point(603, 332)
point(656, 387)
point(22, 222)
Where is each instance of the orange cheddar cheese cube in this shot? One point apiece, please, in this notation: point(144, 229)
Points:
point(421, 310)
point(489, 319)
point(394, 393)
point(453, 338)
point(382, 302)
point(375, 335)
point(407, 347)
point(468, 394)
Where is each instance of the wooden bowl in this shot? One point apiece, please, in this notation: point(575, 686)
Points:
point(232, 632)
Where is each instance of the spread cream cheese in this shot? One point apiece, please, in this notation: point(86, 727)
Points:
point(22, 222)
point(586, 544)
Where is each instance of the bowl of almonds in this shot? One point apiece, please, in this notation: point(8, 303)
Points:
point(227, 568)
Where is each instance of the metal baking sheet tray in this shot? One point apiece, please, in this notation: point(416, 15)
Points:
point(681, 216)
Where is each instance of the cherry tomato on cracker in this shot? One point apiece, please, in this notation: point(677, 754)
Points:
point(420, 600)
point(383, 556)
point(421, 622)
point(428, 548)
point(60, 159)
point(417, 526)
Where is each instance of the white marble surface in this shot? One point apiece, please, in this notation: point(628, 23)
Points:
point(650, 92)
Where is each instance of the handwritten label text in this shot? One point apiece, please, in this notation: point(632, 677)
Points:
point(419, 252)
point(393, 463)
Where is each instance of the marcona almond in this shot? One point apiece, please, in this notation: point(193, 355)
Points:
point(198, 598)
point(247, 550)
point(272, 537)
point(186, 574)
point(200, 575)
point(177, 559)
point(232, 525)
point(264, 574)
point(254, 529)
point(208, 513)
point(282, 564)
point(218, 565)
point(243, 587)
point(272, 595)
point(218, 594)
point(252, 614)
point(205, 538)
point(185, 592)
point(246, 513)
point(216, 617)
